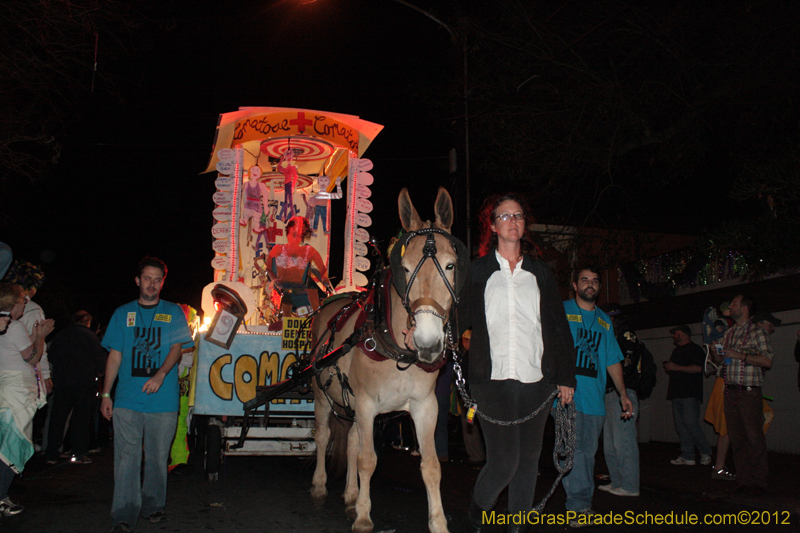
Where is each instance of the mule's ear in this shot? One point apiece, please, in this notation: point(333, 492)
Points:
point(444, 210)
point(408, 215)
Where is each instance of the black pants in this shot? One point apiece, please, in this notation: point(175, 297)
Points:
point(512, 452)
point(79, 400)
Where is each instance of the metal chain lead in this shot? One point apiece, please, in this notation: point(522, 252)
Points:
point(564, 448)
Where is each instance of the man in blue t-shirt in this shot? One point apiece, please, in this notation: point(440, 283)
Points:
point(598, 353)
point(144, 339)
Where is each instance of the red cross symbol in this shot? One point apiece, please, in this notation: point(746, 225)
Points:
point(301, 122)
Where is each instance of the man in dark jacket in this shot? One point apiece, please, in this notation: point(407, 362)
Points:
point(77, 359)
point(685, 369)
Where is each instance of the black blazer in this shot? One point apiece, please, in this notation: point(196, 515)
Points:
point(558, 361)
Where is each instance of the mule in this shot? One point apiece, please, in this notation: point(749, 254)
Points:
point(421, 295)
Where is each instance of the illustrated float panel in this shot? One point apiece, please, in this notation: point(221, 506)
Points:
point(226, 378)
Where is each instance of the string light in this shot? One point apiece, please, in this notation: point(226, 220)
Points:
point(667, 269)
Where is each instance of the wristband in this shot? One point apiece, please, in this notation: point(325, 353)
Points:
point(105, 395)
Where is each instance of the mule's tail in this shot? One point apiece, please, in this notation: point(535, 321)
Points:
point(337, 445)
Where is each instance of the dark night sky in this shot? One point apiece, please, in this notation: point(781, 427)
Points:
point(128, 181)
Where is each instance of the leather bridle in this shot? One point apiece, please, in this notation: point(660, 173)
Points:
point(428, 252)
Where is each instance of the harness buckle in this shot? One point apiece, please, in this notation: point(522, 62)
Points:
point(367, 344)
point(429, 250)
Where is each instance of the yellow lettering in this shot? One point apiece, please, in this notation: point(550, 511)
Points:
point(290, 358)
point(221, 388)
point(269, 368)
point(246, 365)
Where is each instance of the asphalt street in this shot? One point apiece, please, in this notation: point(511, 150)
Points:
point(271, 494)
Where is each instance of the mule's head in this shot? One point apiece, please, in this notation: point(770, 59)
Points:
point(429, 299)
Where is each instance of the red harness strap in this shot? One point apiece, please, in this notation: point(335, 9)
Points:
point(362, 319)
point(374, 355)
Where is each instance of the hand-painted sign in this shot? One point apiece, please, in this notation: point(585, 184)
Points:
point(221, 246)
point(362, 191)
point(219, 262)
point(361, 263)
point(224, 183)
point(363, 219)
point(360, 279)
point(296, 122)
point(361, 235)
point(222, 213)
point(222, 198)
point(365, 178)
point(364, 205)
point(228, 378)
point(363, 164)
point(225, 167)
point(227, 154)
point(295, 335)
point(221, 230)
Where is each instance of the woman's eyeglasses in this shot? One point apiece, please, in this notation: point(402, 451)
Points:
point(505, 217)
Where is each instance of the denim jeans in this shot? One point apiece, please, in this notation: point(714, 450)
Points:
point(321, 212)
point(132, 429)
point(619, 443)
point(686, 414)
point(579, 482)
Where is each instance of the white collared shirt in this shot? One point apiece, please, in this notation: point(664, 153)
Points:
point(514, 323)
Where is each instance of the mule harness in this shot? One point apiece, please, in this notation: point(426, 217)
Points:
point(373, 332)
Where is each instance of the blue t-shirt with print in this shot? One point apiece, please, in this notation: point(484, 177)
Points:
point(144, 336)
point(597, 349)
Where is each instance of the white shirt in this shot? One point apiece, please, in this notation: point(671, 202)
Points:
point(12, 343)
point(33, 313)
point(514, 324)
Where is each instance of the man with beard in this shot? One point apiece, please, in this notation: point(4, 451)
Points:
point(748, 353)
point(685, 369)
point(144, 339)
point(598, 353)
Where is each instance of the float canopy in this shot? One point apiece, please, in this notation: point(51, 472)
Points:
point(267, 130)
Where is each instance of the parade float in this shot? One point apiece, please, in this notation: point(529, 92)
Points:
point(276, 171)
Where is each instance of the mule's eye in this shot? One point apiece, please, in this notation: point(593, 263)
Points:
point(451, 266)
point(407, 270)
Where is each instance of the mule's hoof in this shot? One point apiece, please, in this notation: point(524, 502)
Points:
point(351, 513)
point(318, 501)
point(363, 526)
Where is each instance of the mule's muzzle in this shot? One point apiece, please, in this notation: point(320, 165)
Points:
point(430, 354)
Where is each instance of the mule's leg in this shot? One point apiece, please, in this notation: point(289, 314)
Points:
point(351, 487)
point(367, 460)
point(322, 433)
point(424, 414)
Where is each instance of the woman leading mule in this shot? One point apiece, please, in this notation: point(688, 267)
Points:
point(521, 350)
